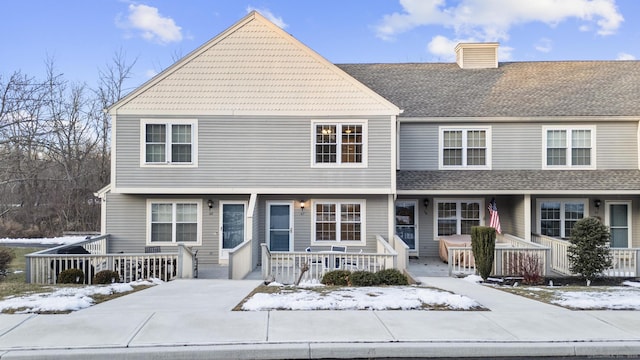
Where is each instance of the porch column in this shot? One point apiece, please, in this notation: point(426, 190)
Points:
point(527, 217)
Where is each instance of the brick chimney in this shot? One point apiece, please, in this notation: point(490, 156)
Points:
point(477, 55)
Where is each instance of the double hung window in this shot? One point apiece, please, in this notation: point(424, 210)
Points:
point(171, 142)
point(339, 144)
point(465, 148)
point(557, 217)
point(337, 221)
point(173, 222)
point(569, 147)
point(457, 216)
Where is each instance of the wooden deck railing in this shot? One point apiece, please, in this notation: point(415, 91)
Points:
point(285, 267)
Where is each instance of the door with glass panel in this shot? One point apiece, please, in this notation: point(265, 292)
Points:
point(618, 218)
point(406, 223)
point(232, 226)
point(280, 226)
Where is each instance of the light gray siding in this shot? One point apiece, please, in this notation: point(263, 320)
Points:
point(519, 146)
point(418, 146)
point(617, 145)
point(254, 153)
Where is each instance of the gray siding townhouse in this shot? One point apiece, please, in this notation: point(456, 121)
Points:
point(255, 137)
point(552, 142)
point(251, 137)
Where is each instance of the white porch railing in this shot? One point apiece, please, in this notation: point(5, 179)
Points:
point(624, 261)
point(240, 261)
point(402, 249)
point(285, 267)
point(43, 267)
point(511, 254)
point(559, 252)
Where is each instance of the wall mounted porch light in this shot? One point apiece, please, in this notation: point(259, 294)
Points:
point(302, 204)
point(210, 205)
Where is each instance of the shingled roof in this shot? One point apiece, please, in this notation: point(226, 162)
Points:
point(514, 89)
point(520, 181)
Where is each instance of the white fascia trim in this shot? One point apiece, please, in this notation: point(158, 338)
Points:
point(518, 192)
point(262, 191)
point(255, 113)
point(530, 119)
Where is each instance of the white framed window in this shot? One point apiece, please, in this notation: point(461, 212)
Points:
point(168, 142)
point(174, 221)
point(569, 147)
point(556, 217)
point(457, 216)
point(339, 144)
point(465, 148)
point(339, 221)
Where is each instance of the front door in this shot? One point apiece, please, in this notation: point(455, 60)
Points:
point(618, 218)
point(406, 213)
point(232, 226)
point(279, 226)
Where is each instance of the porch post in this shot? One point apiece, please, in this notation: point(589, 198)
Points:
point(527, 217)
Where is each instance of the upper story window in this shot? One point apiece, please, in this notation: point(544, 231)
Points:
point(465, 148)
point(566, 147)
point(342, 144)
point(557, 216)
point(169, 142)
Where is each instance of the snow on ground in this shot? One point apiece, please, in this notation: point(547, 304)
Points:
point(46, 241)
point(359, 298)
point(625, 297)
point(67, 298)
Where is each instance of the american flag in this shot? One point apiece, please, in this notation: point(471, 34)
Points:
point(494, 221)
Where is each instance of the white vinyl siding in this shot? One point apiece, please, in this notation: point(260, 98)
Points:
point(168, 142)
point(339, 144)
point(569, 147)
point(173, 221)
point(338, 222)
point(464, 148)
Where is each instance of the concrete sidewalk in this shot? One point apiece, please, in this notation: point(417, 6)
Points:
point(192, 319)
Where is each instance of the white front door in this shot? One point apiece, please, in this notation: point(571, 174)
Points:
point(618, 218)
point(232, 226)
point(280, 226)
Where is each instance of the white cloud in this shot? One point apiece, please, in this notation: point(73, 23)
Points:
point(269, 15)
point(492, 20)
point(150, 73)
point(152, 25)
point(544, 45)
point(625, 56)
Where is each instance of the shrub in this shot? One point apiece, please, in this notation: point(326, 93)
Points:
point(363, 278)
point(589, 254)
point(391, 277)
point(71, 276)
point(106, 277)
point(6, 256)
point(526, 265)
point(336, 278)
point(483, 244)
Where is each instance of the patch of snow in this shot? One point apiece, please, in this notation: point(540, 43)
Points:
point(67, 299)
point(475, 279)
point(614, 299)
point(364, 298)
point(47, 241)
point(631, 283)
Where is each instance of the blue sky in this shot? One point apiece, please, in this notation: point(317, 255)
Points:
point(82, 36)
